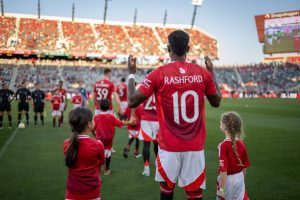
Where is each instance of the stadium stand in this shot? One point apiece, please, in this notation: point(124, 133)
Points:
point(8, 25)
point(112, 40)
point(54, 35)
point(79, 36)
point(41, 35)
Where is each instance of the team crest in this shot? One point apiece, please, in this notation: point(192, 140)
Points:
point(182, 70)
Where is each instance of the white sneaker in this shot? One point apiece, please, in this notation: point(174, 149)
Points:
point(146, 171)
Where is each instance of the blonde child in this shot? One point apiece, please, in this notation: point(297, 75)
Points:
point(233, 159)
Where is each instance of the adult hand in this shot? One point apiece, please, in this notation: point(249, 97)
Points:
point(131, 64)
point(208, 63)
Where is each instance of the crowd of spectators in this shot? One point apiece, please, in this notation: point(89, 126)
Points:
point(82, 38)
point(258, 79)
point(34, 34)
point(79, 36)
point(47, 75)
point(7, 30)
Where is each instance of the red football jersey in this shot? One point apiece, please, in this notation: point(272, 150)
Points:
point(227, 160)
point(122, 91)
point(179, 89)
point(105, 124)
point(137, 114)
point(149, 109)
point(103, 89)
point(56, 101)
point(62, 93)
point(77, 100)
point(83, 180)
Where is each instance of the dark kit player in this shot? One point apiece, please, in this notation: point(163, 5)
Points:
point(23, 96)
point(38, 97)
point(6, 95)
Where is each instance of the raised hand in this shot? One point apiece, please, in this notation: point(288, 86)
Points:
point(208, 63)
point(131, 64)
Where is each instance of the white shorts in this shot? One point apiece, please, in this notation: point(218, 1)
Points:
point(123, 105)
point(76, 106)
point(186, 167)
point(133, 134)
point(56, 113)
point(149, 130)
point(62, 107)
point(97, 112)
point(235, 187)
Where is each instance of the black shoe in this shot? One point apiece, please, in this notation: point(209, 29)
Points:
point(125, 152)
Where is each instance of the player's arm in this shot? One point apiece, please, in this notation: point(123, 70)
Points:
point(117, 100)
point(29, 95)
point(135, 97)
point(66, 104)
point(214, 99)
point(11, 96)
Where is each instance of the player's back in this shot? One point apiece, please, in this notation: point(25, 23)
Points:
point(122, 91)
point(179, 89)
point(149, 109)
point(103, 89)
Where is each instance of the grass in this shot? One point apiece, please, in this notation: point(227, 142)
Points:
point(32, 166)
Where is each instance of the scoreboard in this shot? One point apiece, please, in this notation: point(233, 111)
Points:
point(280, 32)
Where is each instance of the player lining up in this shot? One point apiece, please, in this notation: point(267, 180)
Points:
point(38, 97)
point(23, 96)
point(84, 157)
point(180, 109)
point(233, 159)
point(64, 101)
point(56, 105)
point(6, 96)
point(133, 130)
point(77, 100)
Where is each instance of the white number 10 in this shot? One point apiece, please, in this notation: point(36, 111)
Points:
point(183, 106)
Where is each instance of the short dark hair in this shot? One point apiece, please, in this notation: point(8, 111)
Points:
point(104, 104)
point(179, 42)
point(106, 70)
point(149, 71)
point(123, 79)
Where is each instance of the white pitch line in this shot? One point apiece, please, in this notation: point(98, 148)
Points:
point(7, 143)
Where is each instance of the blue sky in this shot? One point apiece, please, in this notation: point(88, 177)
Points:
point(230, 21)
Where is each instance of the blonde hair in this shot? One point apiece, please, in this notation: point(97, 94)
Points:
point(234, 126)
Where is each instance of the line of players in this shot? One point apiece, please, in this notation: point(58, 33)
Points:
point(145, 126)
point(23, 96)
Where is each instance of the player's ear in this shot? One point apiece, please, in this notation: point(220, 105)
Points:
point(169, 48)
point(188, 48)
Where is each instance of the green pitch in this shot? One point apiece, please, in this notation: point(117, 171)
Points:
point(32, 164)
